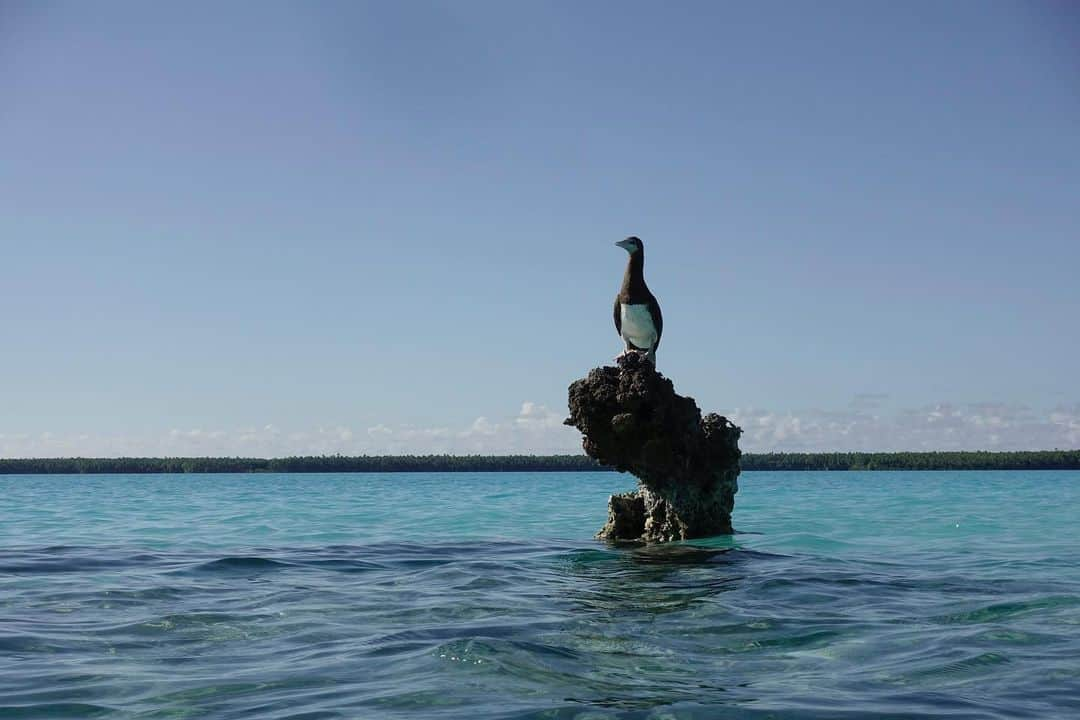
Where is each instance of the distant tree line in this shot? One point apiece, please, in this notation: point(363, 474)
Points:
point(959, 460)
point(307, 463)
point(1040, 460)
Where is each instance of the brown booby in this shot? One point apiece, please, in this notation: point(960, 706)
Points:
point(637, 314)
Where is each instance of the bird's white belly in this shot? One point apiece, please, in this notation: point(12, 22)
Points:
point(637, 325)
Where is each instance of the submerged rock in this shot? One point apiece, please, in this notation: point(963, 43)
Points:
point(687, 466)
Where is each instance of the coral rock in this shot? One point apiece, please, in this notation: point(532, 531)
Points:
point(687, 466)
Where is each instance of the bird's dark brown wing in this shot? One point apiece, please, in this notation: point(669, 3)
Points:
point(657, 319)
point(618, 316)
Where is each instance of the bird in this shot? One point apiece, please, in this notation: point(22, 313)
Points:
point(637, 314)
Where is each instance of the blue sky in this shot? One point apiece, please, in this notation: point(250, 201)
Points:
point(269, 228)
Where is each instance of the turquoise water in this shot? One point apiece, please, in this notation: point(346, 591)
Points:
point(844, 595)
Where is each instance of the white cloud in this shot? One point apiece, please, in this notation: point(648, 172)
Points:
point(980, 426)
point(863, 425)
point(535, 429)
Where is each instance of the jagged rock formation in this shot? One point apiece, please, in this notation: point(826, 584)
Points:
point(687, 466)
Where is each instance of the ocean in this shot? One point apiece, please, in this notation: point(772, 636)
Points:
point(843, 595)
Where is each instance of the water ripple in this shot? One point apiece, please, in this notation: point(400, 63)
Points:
point(827, 622)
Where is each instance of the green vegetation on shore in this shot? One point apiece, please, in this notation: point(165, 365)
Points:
point(953, 460)
point(1040, 460)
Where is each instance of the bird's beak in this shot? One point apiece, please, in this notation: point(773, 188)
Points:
point(624, 244)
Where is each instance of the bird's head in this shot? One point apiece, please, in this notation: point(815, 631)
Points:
point(631, 245)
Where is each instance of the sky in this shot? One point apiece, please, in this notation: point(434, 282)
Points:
point(275, 228)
